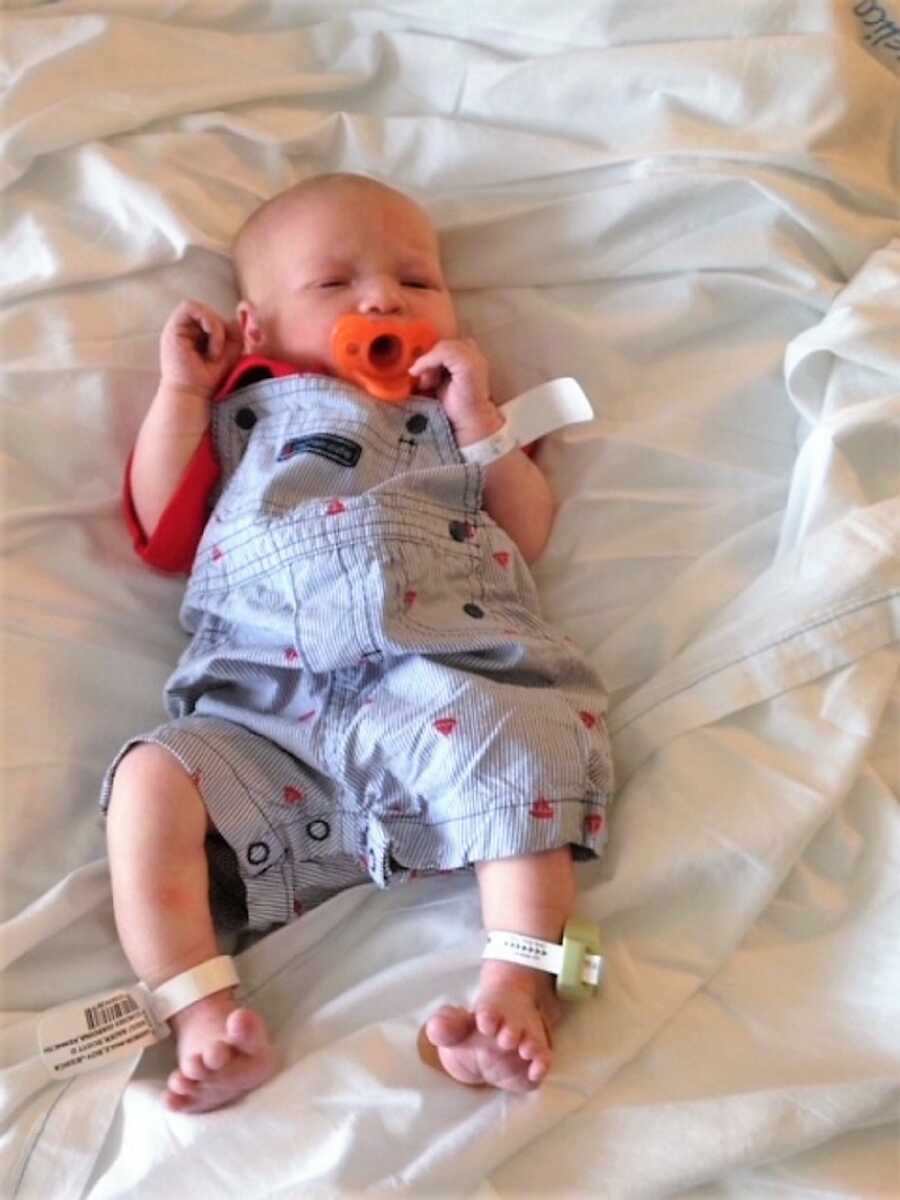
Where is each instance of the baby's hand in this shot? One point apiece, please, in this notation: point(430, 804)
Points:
point(198, 348)
point(461, 374)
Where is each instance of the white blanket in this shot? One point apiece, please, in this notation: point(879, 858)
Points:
point(692, 208)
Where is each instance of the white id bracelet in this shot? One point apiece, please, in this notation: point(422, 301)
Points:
point(538, 411)
point(577, 963)
point(491, 448)
point(96, 1030)
point(196, 984)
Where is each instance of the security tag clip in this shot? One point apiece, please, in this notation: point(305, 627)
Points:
point(577, 963)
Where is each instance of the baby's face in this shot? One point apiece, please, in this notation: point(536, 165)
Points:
point(338, 251)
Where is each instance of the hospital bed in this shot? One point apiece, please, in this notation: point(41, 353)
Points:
point(690, 207)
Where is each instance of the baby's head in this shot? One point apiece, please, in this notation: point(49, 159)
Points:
point(333, 245)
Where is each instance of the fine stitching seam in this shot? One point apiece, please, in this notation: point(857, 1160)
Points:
point(36, 1138)
point(780, 640)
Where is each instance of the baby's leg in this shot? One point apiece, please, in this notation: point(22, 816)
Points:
point(156, 832)
point(505, 1040)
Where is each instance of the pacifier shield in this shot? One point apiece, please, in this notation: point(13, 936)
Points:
point(376, 353)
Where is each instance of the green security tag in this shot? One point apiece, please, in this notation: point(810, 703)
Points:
point(581, 968)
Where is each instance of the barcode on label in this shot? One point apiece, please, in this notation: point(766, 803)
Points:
point(109, 1011)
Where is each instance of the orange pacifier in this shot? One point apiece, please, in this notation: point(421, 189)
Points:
point(376, 353)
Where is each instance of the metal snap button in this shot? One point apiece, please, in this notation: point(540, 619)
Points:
point(257, 853)
point(318, 830)
point(473, 610)
point(245, 418)
point(459, 530)
point(417, 423)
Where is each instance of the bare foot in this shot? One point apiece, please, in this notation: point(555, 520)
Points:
point(504, 1041)
point(223, 1052)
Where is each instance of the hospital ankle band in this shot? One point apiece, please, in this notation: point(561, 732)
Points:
point(577, 963)
point(539, 411)
point(196, 984)
point(96, 1030)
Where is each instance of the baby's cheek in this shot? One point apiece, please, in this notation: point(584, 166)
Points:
point(442, 315)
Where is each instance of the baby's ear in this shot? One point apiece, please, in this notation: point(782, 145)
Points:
point(250, 328)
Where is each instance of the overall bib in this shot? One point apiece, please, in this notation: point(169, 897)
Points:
point(369, 691)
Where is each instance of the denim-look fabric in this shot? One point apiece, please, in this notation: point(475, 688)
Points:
point(370, 689)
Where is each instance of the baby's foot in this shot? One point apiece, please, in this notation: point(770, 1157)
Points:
point(223, 1052)
point(504, 1041)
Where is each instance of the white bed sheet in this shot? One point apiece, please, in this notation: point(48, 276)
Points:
point(693, 209)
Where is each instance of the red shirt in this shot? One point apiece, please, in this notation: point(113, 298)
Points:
point(174, 541)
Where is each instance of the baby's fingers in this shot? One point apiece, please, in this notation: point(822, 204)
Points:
point(428, 380)
point(201, 326)
point(432, 361)
point(211, 342)
point(225, 339)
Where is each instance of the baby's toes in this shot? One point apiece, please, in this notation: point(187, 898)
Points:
point(488, 1019)
point(194, 1069)
point(180, 1085)
point(539, 1066)
point(218, 1055)
point(529, 1049)
point(510, 1036)
point(535, 1050)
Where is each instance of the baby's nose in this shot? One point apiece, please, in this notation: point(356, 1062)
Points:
point(381, 295)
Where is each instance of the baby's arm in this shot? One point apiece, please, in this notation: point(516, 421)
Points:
point(197, 349)
point(516, 493)
point(518, 497)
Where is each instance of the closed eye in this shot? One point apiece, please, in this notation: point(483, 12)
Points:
point(416, 283)
point(333, 283)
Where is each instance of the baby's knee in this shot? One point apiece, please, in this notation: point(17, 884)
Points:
point(151, 788)
point(148, 768)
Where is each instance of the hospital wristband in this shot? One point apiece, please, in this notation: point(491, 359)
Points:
point(577, 963)
point(489, 449)
point(539, 411)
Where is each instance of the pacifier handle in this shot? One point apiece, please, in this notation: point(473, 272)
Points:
point(376, 353)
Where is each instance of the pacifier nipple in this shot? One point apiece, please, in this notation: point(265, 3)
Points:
point(385, 352)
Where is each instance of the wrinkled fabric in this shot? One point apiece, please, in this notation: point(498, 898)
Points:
point(689, 207)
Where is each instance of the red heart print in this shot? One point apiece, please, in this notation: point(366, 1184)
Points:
point(409, 598)
point(217, 554)
point(502, 557)
point(334, 508)
point(588, 718)
point(306, 716)
point(595, 822)
point(542, 809)
point(445, 725)
point(292, 795)
point(291, 654)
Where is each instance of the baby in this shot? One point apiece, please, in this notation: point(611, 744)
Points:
point(369, 692)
